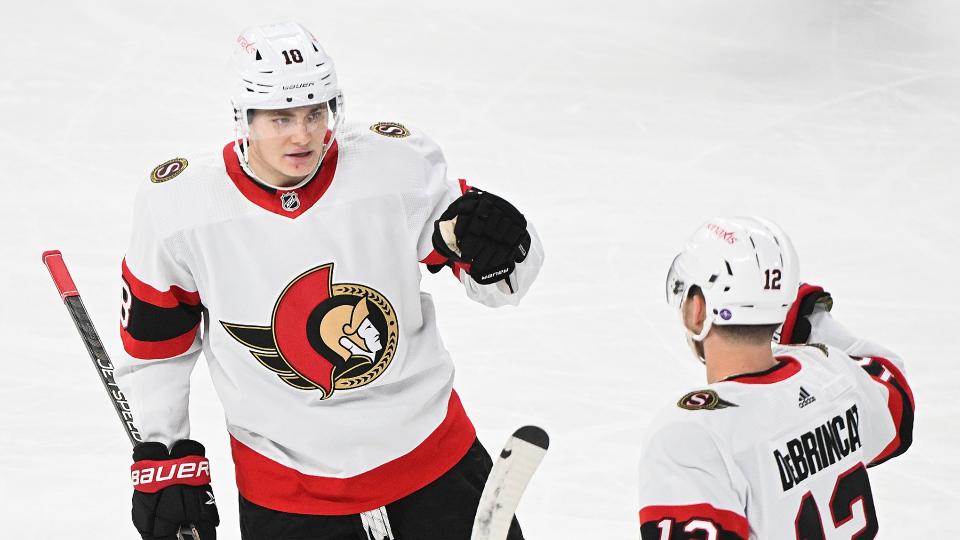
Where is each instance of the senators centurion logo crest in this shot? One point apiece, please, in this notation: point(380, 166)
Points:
point(324, 336)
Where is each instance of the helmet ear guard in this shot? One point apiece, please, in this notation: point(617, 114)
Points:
point(745, 267)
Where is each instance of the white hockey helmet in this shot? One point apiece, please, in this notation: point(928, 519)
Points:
point(745, 267)
point(282, 66)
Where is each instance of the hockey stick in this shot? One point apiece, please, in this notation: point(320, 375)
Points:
point(510, 475)
point(101, 361)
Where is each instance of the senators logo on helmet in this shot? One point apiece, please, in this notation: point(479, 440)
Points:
point(324, 336)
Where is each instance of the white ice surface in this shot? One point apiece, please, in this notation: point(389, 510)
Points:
point(616, 126)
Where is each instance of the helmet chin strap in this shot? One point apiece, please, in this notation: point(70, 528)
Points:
point(242, 149)
point(695, 341)
point(696, 347)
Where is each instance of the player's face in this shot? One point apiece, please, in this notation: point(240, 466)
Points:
point(285, 145)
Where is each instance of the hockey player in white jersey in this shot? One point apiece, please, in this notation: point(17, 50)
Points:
point(777, 444)
point(292, 260)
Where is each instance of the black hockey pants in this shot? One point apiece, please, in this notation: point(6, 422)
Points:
point(443, 510)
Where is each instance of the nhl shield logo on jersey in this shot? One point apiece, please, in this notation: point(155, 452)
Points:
point(324, 336)
point(168, 170)
point(290, 201)
point(703, 400)
point(390, 129)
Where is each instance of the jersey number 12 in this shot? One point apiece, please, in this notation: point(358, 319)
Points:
point(851, 486)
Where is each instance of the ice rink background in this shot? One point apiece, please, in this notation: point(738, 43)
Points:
point(617, 127)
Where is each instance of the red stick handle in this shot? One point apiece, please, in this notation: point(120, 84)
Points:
point(58, 271)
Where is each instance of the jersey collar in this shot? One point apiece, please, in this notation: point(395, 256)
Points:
point(786, 367)
point(287, 203)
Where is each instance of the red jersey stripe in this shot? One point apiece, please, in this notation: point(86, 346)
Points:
point(434, 258)
point(272, 485)
point(170, 298)
point(726, 519)
point(786, 367)
point(901, 405)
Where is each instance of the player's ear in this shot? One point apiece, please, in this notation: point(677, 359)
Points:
point(694, 312)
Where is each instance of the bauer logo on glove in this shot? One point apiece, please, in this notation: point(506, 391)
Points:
point(485, 233)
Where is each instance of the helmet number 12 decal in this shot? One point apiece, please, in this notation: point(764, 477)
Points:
point(773, 279)
point(293, 56)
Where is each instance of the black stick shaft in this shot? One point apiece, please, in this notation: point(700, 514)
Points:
point(103, 365)
point(91, 340)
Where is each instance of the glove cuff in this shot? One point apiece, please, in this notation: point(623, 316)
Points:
point(440, 244)
point(150, 450)
point(790, 324)
point(187, 447)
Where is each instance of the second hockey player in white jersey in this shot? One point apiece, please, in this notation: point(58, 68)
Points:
point(292, 260)
point(778, 443)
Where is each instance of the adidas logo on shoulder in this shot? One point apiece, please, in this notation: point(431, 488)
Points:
point(806, 398)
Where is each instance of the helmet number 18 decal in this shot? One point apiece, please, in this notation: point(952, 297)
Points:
point(293, 56)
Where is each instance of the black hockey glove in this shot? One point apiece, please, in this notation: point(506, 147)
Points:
point(172, 489)
point(485, 232)
point(796, 328)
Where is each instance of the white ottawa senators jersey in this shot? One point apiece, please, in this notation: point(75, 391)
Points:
point(781, 454)
point(306, 303)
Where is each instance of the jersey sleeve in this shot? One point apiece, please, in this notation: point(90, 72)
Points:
point(882, 380)
point(160, 319)
point(425, 208)
point(687, 490)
